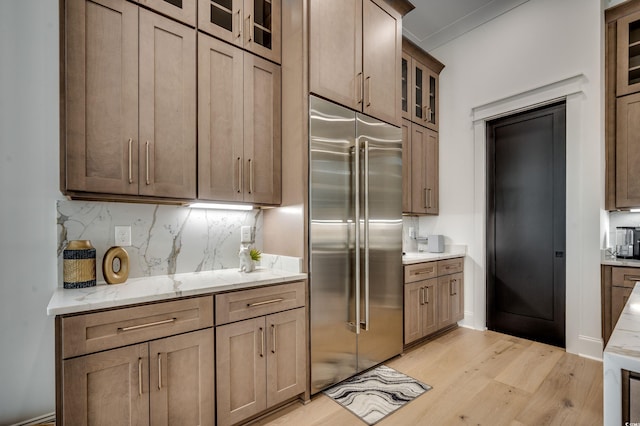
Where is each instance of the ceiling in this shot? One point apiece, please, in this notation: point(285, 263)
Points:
point(435, 22)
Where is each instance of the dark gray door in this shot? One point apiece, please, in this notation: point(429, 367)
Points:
point(526, 224)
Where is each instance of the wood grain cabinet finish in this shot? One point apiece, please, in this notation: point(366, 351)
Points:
point(628, 54)
point(433, 297)
point(628, 151)
point(181, 10)
point(166, 381)
point(406, 165)
point(129, 102)
point(254, 25)
point(617, 284)
point(260, 362)
point(355, 50)
point(239, 122)
point(423, 171)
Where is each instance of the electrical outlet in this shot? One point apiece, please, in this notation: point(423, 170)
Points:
point(246, 234)
point(412, 232)
point(123, 236)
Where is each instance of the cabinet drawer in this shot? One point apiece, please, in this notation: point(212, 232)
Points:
point(450, 266)
point(420, 271)
point(245, 304)
point(624, 277)
point(83, 334)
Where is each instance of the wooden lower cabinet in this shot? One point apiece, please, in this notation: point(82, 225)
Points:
point(165, 381)
point(260, 363)
point(617, 284)
point(434, 302)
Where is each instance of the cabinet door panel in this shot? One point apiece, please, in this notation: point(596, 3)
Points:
point(181, 379)
point(167, 107)
point(101, 96)
point(263, 30)
point(240, 370)
point(220, 112)
point(413, 311)
point(406, 166)
point(628, 151)
point(335, 51)
point(457, 299)
point(619, 297)
point(628, 54)
point(450, 299)
point(382, 55)
point(105, 388)
point(431, 162)
point(286, 356)
point(262, 137)
point(419, 164)
point(222, 18)
point(429, 316)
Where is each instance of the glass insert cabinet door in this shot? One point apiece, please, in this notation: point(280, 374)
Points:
point(251, 24)
point(182, 10)
point(424, 102)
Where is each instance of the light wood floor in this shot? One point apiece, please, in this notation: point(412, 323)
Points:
point(480, 378)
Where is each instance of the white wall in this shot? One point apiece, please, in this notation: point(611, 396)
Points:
point(28, 192)
point(535, 44)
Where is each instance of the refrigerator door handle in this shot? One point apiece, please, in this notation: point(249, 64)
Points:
point(356, 176)
point(366, 235)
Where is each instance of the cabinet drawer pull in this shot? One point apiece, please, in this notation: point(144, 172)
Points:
point(140, 376)
point(150, 324)
point(147, 165)
point(130, 160)
point(159, 371)
point(261, 342)
point(266, 302)
point(368, 90)
point(631, 278)
point(273, 335)
point(424, 271)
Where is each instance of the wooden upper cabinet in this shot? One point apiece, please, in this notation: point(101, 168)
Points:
point(254, 25)
point(406, 89)
point(628, 151)
point(424, 171)
point(382, 55)
point(181, 10)
point(239, 122)
point(129, 101)
point(628, 54)
point(335, 51)
point(101, 97)
point(425, 83)
point(406, 166)
point(167, 145)
point(262, 127)
point(342, 33)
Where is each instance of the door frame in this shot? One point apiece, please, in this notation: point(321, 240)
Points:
point(571, 90)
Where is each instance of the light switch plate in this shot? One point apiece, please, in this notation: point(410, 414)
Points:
point(123, 236)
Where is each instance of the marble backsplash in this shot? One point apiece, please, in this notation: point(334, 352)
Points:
point(164, 239)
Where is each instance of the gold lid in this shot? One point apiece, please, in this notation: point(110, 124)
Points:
point(79, 245)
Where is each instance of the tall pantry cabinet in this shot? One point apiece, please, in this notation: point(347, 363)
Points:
point(622, 105)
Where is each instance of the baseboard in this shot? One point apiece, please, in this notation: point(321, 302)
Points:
point(46, 418)
point(590, 347)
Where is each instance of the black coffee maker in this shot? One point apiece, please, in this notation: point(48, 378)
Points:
point(628, 242)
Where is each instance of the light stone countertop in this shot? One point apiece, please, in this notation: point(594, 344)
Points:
point(608, 259)
point(450, 252)
point(622, 352)
point(165, 287)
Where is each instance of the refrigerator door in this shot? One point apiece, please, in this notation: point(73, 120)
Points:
point(332, 243)
point(381, 287)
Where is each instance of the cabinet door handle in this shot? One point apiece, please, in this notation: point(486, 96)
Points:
point(239, 13)
point(424, 113)
point(273, 335)
point(250, 28)
point(250, 176)
point(359, 87)
point(451, 287)
point(159, 371)
point(147, 161)
point(239, 174)
point(140, 376)
point(261, 342)
point(149, 324)
point(368, 90)
point(130, 161)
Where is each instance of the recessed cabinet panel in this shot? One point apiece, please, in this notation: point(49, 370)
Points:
point(406, 166)
point(101, 96)
point(628, 151)
point(167, 108)
point(628, 54)
point(424, 170)
point(220, 120)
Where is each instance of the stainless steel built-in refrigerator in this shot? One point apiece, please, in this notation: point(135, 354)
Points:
point(355, 197)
